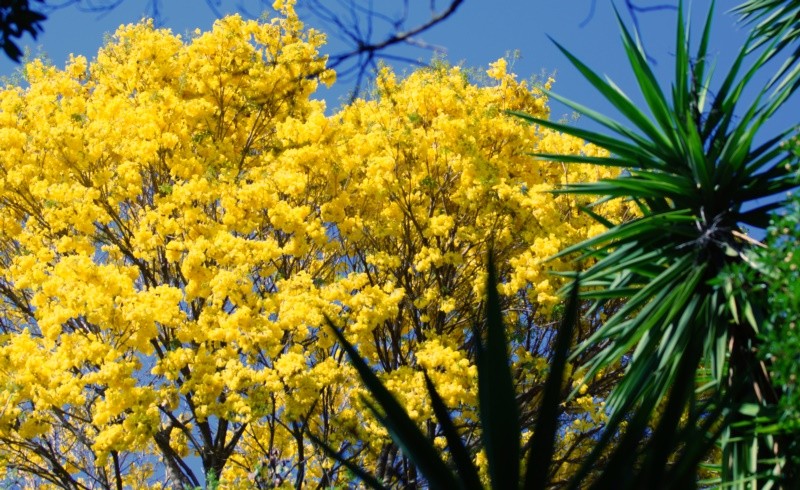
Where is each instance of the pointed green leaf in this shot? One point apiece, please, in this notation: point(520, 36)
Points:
point(540, 454)
point(365, 477)
point(620, 101)
point(464, 466)
point(403, 430)
point(498, 405)
point(647, 81)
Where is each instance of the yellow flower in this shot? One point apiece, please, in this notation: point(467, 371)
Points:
point(180, 218)
point(497, 69)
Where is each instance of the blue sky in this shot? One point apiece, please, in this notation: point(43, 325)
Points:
point(479, 32)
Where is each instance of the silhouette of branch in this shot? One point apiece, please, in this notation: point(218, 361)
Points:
point(634, 10)
point(368, 30)
point(369, 33)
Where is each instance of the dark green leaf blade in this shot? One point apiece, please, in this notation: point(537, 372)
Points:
point(498, 406)
point(540, 454)
point(365, 477)
point(402, 429)
point(464, 466)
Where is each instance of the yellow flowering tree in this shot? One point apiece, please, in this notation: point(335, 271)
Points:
point(178, 217)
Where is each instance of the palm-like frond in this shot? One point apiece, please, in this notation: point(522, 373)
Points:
point(673, 448)
point(774, 20)
point(694, 169)
point(498, 412)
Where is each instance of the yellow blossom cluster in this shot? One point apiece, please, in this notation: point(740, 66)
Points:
point(178, 218)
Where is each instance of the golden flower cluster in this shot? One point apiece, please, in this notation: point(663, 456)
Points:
point(179, 217)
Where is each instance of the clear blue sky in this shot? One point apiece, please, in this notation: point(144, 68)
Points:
point(478, 33)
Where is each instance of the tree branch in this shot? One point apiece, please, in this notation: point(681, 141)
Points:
point(634, 9)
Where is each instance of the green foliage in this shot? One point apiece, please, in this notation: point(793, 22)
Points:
point(780, 262)
point(498, 412)
point(692, 167)
point(774, 281)
point(673, 448)
point(212, 482)
point(706, 312)
point(775, 19)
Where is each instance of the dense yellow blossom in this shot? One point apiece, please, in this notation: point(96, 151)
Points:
point(178, 217)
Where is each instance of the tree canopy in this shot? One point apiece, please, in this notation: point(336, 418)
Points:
point(179, 216)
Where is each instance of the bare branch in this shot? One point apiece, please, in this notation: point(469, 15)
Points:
point(356, 23)
point(634, 9)
point(398, 37)
point(367, 31)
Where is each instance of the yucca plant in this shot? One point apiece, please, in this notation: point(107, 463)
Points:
point(774, 20)
point(693, 167)
point(674, 449)
point(499, 413)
